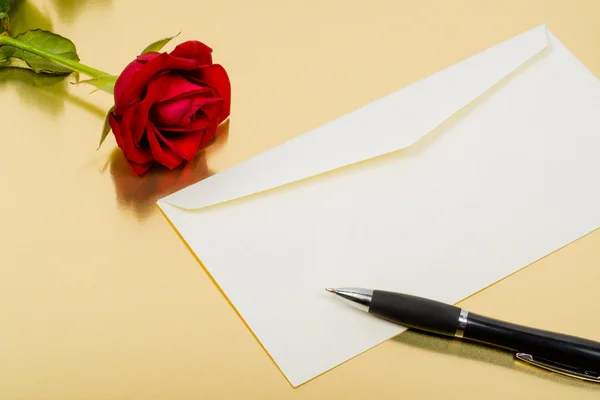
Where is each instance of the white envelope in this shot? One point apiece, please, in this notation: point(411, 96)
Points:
point(439, 190)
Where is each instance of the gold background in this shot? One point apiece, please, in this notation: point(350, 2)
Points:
point(99, 298)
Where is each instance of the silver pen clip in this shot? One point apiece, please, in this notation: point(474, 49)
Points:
point(592, 376)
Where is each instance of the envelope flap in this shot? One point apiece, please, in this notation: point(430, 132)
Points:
point(389, 124)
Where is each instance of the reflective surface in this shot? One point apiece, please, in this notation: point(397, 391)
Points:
point(100, 299)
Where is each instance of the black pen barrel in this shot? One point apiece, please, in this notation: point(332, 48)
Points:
point(415, 312)
point(436, 317)
point(563, 349)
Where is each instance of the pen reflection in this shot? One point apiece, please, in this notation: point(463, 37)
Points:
point(486, 354)
point(138, 195)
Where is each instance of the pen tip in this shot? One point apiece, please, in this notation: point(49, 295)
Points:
point(331, 290)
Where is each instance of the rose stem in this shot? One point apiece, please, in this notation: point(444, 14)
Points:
point(65, 62)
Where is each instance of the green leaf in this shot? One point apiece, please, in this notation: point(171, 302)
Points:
point(158, 45)
point(105, 83)
point(13, 63)
point(48, 41)
point(4, 22)
point(4, 19)
point(5, 6)
point(106, 128)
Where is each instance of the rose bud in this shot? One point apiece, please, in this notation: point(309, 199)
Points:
point(168, 106)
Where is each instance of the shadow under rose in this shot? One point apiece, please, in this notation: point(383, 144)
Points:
point(138, 194)
point(25, 15)
point(48, 93)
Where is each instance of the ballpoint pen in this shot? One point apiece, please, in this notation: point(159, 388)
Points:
point(568, 355)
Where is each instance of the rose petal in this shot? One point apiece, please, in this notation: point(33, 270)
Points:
point(138, 124)
point(130, 150)
point(208, 108)
point(127, 75)
point(155, 88)
point(198, 123)
point(170, 113)
point(178, 86)
point(169, 144)
point(216, 77)
point(213, 109)
point(147, 57)
point(115, 126)
point(153, 92)
point(163, 155)
point(139, 169)
point(186, 144)
point(179, 112)
point(195, 50)
point(131, 86)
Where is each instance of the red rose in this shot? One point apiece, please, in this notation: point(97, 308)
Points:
point(169, 105)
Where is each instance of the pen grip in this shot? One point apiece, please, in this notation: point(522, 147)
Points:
point(415, 312)
point(560, 348)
